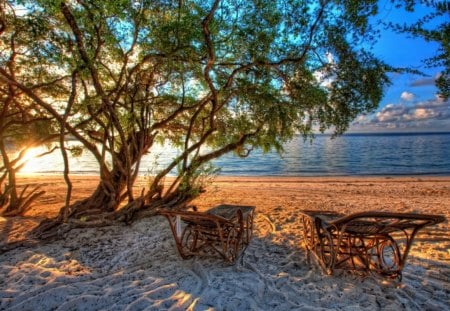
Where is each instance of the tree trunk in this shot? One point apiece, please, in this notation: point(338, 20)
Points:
point(105, 199)
point(11, 187)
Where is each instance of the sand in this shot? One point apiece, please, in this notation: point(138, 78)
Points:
point(137, 267)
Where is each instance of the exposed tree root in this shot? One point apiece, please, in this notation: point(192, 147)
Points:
point(55, 228)
point(19, 205)
point(50, 229)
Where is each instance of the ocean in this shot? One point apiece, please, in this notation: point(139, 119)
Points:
point(346, 155)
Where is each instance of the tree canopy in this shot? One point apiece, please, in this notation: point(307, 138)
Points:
point(210, 77)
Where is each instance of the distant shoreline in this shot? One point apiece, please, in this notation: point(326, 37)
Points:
point(386, 133)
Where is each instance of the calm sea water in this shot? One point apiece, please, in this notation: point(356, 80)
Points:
point(351, 154)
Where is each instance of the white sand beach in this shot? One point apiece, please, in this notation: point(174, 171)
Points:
point(137, 267)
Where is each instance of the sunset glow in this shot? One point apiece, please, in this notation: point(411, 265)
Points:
point(31, 160)
point(35, 162)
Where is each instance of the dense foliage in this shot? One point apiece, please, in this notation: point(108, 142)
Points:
point(209, 77)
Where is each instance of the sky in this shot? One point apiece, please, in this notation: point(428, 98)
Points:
point(411, 103)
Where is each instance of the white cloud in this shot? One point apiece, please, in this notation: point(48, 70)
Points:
point(433, 114)
point(391, 113)
point(421, 113)
point(407, 96)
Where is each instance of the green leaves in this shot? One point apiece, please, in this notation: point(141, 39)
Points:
point(124, 74)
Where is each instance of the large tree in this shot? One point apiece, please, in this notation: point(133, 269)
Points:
point(210, 77)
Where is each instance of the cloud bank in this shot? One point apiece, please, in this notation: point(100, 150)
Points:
point(429, 115)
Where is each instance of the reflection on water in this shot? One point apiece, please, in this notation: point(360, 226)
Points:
point(381, 154)
point(159, 157)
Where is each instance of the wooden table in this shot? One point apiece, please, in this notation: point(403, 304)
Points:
point(228, 211)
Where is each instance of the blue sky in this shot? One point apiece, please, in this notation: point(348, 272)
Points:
point(410, 104)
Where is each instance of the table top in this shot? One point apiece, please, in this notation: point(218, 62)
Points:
point(227, 211)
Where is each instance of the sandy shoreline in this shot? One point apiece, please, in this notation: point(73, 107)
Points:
point(137, 267)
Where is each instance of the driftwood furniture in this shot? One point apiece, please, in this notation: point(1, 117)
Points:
point(225, 230)
point(368, 241)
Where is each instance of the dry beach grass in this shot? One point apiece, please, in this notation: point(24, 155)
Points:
point(136, 267)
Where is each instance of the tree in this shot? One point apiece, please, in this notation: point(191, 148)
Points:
point(23, 124)
point(18, 128)
point(210, 77)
